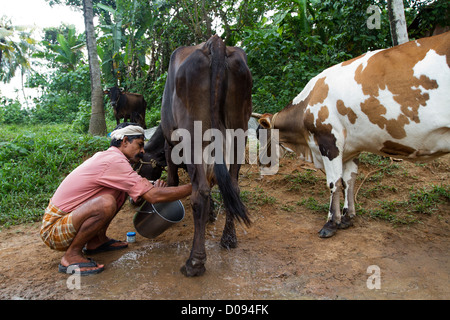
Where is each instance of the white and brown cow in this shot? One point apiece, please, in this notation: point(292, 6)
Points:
point(393, 102)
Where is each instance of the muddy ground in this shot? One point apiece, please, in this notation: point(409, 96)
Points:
point(279, 257)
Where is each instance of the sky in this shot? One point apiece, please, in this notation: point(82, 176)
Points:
point(38, 14)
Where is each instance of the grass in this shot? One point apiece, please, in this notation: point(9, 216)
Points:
point(256, 198)
point(426, 200)
point(420, 201)
point(297, 180)
point(314, 205)
point(33, 162)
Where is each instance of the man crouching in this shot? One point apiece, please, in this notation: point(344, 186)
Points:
point(81, 209)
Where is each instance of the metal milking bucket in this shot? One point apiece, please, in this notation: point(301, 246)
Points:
point(153, 219)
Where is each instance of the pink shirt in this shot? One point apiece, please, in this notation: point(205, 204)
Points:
point(106, 172)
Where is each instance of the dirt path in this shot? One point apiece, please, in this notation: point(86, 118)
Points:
point(279, 257)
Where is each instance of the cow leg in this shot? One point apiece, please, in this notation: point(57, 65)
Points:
point(229, 239)
point(349, 179)
point(172, 169)
point(212, 212)
point(333, 170)
point(195, 265)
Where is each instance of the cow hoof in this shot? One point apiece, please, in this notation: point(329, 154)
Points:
point(212, 217)
point(228, 242)
point(190, 270)
point(328, 230)
point(346, 222)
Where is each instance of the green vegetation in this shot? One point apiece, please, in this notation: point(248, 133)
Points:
point(420, 201)
point(33, 162)
point(299, 179)
point(287, 43)
point(256, 198)
point(314, 205)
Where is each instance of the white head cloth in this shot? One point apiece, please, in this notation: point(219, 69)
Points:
point(127, 131)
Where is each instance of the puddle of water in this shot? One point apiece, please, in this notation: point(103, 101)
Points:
point(151, 271)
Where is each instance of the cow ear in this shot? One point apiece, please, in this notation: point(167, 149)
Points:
point(106, 92)
point(264, 122)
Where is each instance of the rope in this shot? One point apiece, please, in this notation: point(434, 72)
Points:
point(152, 162)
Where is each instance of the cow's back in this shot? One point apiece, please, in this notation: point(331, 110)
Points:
point(187, 89)
point(238, 101)
point(136, 100)
point(187, 93)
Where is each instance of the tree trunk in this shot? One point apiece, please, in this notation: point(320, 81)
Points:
point(97, 124)
point(399, 32)
point(1, 54)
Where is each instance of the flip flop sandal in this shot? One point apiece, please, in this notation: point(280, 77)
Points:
point(90, 264)
point(107, 246)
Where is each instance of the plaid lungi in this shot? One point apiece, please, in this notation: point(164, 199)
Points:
point(57, 230)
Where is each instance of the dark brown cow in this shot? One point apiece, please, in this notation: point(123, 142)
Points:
point(127, 105)
point(153, 162)
point(208, 84)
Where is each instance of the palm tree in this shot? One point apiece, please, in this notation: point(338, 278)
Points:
point(97, 124)
point(16, 46)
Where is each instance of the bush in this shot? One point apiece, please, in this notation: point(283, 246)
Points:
point(33, 161)
point(11, 112)
point(81, 122)
point(63, 94)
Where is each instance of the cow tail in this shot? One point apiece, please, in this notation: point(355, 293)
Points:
point(219, 82)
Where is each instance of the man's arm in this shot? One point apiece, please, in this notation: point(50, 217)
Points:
point(161, 193)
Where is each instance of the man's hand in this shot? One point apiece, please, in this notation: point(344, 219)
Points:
point(164, 193)
point(160, 184)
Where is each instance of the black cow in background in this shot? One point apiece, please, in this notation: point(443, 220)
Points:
point(127, 105)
